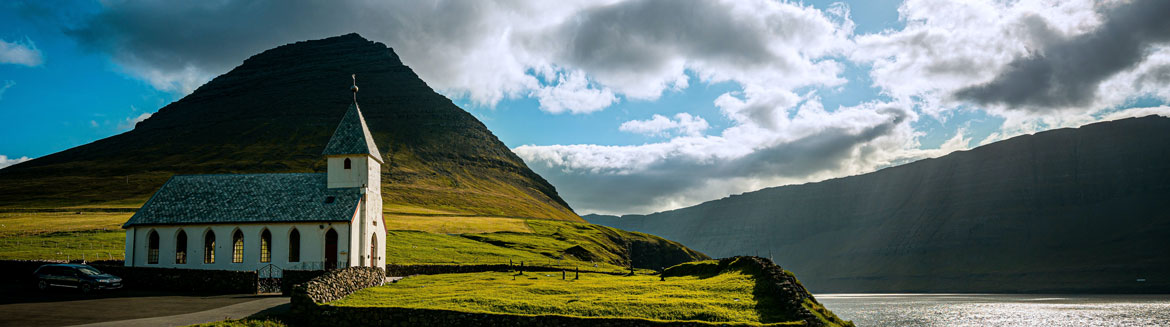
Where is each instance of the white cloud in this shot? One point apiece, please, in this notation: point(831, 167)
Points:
point(7, 84)
point(5, 161)
point(1163, 111)
point(658, 125)
point(130, 122)
point(947, 45)
point(573, 93)
point(20, 53)
point(814, 144)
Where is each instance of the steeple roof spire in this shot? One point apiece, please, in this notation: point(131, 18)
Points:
point(352, 135)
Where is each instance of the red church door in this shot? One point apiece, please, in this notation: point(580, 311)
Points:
point(330, 249)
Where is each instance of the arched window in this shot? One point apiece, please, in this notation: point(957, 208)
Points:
point(181, 248)
point(238, 247)
point(152, 248)
point(265, 246)
point(209, 247)
point(294, 246)
point(347, 163)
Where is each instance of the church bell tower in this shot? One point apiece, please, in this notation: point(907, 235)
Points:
point(353, 161)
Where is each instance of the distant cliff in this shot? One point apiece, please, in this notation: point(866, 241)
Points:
point(1066, 210)
point(274, 113)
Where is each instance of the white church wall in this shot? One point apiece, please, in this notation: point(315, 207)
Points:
point(312, 245)
point(373, 224)
point(355, 176)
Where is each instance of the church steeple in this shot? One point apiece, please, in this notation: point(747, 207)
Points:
point(352, 136)
point(353, 158)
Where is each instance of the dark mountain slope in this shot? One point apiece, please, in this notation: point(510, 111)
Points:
point(275, 113)
point(1067, 210)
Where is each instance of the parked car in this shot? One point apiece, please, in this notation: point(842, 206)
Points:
point(81, 277)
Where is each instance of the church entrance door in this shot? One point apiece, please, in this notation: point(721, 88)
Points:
point(374, 250)
point(331, 249)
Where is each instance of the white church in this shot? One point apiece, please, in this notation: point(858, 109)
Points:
point(303, 221)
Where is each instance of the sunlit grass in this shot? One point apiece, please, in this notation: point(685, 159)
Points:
point(722, 298)
point(62, 235)
point(455, 224)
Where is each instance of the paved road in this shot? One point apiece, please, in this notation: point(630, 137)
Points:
point(22, 307)
point(235, 311)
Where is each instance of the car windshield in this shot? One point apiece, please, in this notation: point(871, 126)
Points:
point(89, 271)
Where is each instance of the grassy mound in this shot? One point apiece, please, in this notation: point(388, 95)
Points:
point(776, 289)
point(736, 290)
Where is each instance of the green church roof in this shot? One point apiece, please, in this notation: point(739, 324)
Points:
point(352, 136)
point(247, 198)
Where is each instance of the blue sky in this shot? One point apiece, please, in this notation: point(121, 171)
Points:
point(629, 106)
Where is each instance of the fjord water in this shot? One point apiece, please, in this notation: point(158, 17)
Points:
point(912, 310)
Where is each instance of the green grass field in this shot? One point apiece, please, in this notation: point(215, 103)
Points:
point(723, 298)
point(728, 297)
point(418, 239)
point(62, 235)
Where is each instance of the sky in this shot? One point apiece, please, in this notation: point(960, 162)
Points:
point(632, 106)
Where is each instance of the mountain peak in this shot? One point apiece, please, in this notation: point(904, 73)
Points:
point(275, 113)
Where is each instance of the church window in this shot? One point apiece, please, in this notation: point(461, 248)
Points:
point(152, 250)
point(294, 246)
point(265, 246)
point(181, 248)
point(347, 163)
point(209, 247)
point(238, 247)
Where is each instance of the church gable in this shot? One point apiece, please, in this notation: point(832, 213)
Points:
point(247, 198)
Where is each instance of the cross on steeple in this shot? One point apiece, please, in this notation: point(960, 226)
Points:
point(354, 88)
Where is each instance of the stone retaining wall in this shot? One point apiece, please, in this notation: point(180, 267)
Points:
point(185, 280)
point(155, 279)
point(291, 278)
point(336, 284)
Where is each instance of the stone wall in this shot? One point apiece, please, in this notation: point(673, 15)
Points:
point(336, 284)
point(185, 280)
point(155, 279)
point(19, 272)
point(291, 278)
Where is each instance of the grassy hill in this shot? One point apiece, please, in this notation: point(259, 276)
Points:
point(274, 113)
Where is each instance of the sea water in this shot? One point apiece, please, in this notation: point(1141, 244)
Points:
point(999, 309)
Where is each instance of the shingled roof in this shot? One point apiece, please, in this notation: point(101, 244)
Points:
point(352, 136)
point(214, 199)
